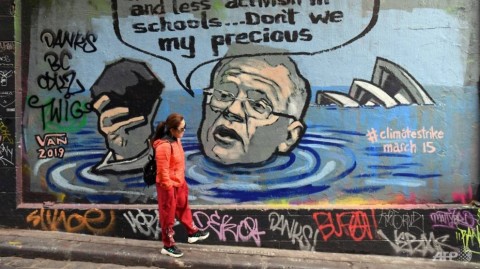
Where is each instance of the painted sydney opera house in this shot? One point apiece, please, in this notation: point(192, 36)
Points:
point(391, 85)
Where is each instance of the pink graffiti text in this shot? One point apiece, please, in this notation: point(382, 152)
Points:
point(245, 230)
point(453, 218)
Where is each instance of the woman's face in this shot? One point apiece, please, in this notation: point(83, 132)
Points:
point(179, 131)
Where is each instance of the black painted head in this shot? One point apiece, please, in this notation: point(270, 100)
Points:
point(128, 84)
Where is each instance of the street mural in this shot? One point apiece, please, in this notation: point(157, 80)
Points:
point(315, 125)
point(286, 102)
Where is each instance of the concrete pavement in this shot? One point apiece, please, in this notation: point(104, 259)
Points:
point(131, 252)
point(39, 263)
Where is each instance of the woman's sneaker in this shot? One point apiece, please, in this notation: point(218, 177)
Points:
point(198, 236)
point(172, 251)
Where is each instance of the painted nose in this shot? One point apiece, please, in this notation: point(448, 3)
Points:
point(235, 112)
point(232, 117)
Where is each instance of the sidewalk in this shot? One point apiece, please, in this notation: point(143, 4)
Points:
point(131, 252)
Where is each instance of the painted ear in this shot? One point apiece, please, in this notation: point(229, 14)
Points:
point(295, 132)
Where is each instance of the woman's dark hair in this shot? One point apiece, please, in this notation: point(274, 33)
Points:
point(163, 128)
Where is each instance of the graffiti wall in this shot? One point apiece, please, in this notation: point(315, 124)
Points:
point(441, 234)
point(289, 104)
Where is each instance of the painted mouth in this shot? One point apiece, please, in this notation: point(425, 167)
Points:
point(226, 137)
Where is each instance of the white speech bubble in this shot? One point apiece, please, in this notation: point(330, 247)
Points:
point(189, 34)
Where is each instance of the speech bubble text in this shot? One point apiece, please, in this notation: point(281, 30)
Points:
point(200, 32)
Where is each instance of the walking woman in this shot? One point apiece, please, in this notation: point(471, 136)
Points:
point(172, 189)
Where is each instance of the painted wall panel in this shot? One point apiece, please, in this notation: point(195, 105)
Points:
point(311, 125)
point(379, 96)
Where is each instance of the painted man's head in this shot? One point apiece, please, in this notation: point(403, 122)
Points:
point(126, 97)
point(253, 109)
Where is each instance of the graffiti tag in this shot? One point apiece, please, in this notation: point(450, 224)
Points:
point(6, 155)
point(424, 245)
point(452, 219)
point(144, 223)
point(304, 235)
point(94, 221)
point(397, 220)
point(51, 145)
point(245, 230)
point(357, 225)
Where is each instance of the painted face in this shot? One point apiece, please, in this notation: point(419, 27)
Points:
point(242, 121)
point(180, 130)
point(125, 135)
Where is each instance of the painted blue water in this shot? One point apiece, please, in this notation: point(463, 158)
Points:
point(334, 160)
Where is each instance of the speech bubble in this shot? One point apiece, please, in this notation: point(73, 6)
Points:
point(192, 33)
